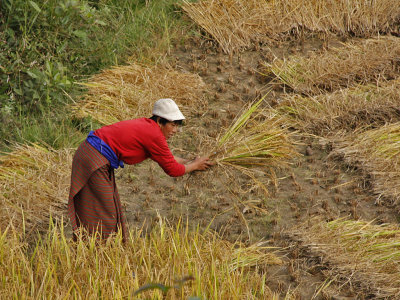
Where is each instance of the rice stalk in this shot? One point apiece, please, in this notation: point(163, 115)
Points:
point(238, 24)
point(57, 267)
point(255, 139)
point(128, 92)
point(342, 110)
point(34, 181)
point(240, 122)
point(369, 61)
point(364, 253)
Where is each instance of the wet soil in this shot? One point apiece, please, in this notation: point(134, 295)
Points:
point(313, 185)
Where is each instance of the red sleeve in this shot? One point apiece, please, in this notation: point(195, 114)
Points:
point(160, 153)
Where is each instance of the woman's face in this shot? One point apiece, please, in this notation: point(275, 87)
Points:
point(169, 129)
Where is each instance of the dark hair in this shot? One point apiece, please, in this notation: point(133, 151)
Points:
point(163, 121)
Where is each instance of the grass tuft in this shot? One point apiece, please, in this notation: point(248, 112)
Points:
point(34, 181)
point(344, 110)
point(377, 152)
point(128, 92)
point(364, 254)
point(371, 61)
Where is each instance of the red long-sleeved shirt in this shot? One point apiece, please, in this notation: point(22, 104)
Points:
point(135, 140)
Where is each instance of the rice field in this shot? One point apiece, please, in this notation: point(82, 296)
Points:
point(344, 94)
point(259, 121)
point(53, 265)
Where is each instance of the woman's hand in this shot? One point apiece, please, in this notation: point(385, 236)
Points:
point(202, 163)
point(199, 164)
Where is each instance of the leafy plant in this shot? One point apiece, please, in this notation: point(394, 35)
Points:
point(47, 46)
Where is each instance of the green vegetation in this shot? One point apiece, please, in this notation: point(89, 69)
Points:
point(45, 47)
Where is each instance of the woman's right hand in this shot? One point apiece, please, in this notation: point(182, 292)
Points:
point(198, 164)
point(203, 163)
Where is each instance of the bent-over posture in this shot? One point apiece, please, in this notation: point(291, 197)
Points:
point(94, 202)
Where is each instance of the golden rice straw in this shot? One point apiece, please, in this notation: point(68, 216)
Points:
point(234, 24)
point(365, 255)
point(370, 61)
point(128, 92)
point(237, 24)
point(377, 152)
point(182, 261)
point(34, 183)
point(343, 17)
point(342, 110)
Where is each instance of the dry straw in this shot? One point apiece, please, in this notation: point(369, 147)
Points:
point(377, 152)
point(255, 139)
point(127, 92)
point(234, 24)
point(343, 110)
point(34, 182)
point(237, 24)
point(371, 60)
point(196, 263)
point(362, 253)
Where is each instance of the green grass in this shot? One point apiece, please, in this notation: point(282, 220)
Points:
point(46, 46)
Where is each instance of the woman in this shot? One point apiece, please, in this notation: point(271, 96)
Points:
point(94, 202)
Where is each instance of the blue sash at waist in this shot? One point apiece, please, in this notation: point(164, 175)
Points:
point(105, 150)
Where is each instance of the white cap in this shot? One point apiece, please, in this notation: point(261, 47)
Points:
point(167, 109)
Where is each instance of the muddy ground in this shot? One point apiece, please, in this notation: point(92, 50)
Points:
point(313, 185)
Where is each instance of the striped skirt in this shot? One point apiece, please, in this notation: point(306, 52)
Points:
point(94, 202)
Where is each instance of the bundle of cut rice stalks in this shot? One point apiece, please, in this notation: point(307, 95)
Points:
point(373, 60)
point(358, 252)
point(237, 24)
point(378, 153)
point(343, 110)
point(34, 182)
point(256, 139)
point(127, 92)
